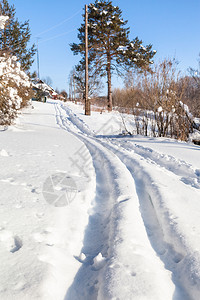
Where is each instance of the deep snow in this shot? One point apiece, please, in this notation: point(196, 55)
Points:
point(131, 228)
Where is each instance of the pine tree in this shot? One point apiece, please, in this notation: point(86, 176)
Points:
point(109, 46)
point(15, 36)
point(94, 81)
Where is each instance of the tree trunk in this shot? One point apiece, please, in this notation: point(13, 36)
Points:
point(109, 83)
point(87, 100)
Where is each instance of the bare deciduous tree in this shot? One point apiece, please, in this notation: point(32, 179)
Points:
point(157, 101)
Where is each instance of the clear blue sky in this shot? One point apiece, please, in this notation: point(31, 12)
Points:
point(172, 26)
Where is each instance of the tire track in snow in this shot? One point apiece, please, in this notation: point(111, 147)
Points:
point(170, 247)
point(186, 172)
point(72, 119)
point(121, 236)
point(167, 240)
point(86, 282)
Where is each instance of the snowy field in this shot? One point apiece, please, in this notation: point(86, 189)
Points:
point(87, 213)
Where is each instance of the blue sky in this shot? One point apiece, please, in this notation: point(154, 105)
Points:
point(172, 27)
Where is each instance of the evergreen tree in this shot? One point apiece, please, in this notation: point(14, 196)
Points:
point(109, 46)
point(15, 37)
point(94, 81)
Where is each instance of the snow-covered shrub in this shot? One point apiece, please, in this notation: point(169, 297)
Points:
point(156, 101)
point(172, 116)
point(15, 88)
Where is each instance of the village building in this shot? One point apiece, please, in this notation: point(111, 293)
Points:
point(42, 91)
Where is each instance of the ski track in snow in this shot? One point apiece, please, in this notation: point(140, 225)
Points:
point(99, 283)
point(172, 254)
point(96, 240)
point(185, 171)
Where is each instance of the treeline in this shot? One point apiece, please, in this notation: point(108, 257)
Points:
point(163, 103)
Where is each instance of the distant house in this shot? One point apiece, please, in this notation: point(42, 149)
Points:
point(43, 91)
point(54, 95)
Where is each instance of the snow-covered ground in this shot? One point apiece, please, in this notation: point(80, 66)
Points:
point(87, 213)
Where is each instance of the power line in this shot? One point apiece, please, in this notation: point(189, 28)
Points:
point(18, 43)
point(56, 36)
point(59, 24)
point(38, 62)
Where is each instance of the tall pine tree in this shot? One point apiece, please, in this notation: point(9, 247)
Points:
point(109, 46)
point(15, 36)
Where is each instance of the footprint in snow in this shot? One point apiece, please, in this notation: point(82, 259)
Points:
point(34, 190)
point(197, 172)
point(39, 215)
point(46, 237)
point(98, 262)
point(17, 244)
point(9, 180)
point(12, 243)
point(4, 153)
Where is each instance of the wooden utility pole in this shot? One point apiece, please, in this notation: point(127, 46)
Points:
point(87, 101)
point(74, 86)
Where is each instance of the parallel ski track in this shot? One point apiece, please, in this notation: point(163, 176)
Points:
point(99, 235)
point(163, 249)
point(186, 172)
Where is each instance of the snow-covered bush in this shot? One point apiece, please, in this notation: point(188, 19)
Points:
point(15, 88)
point(171, 115)
point(156, 100)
